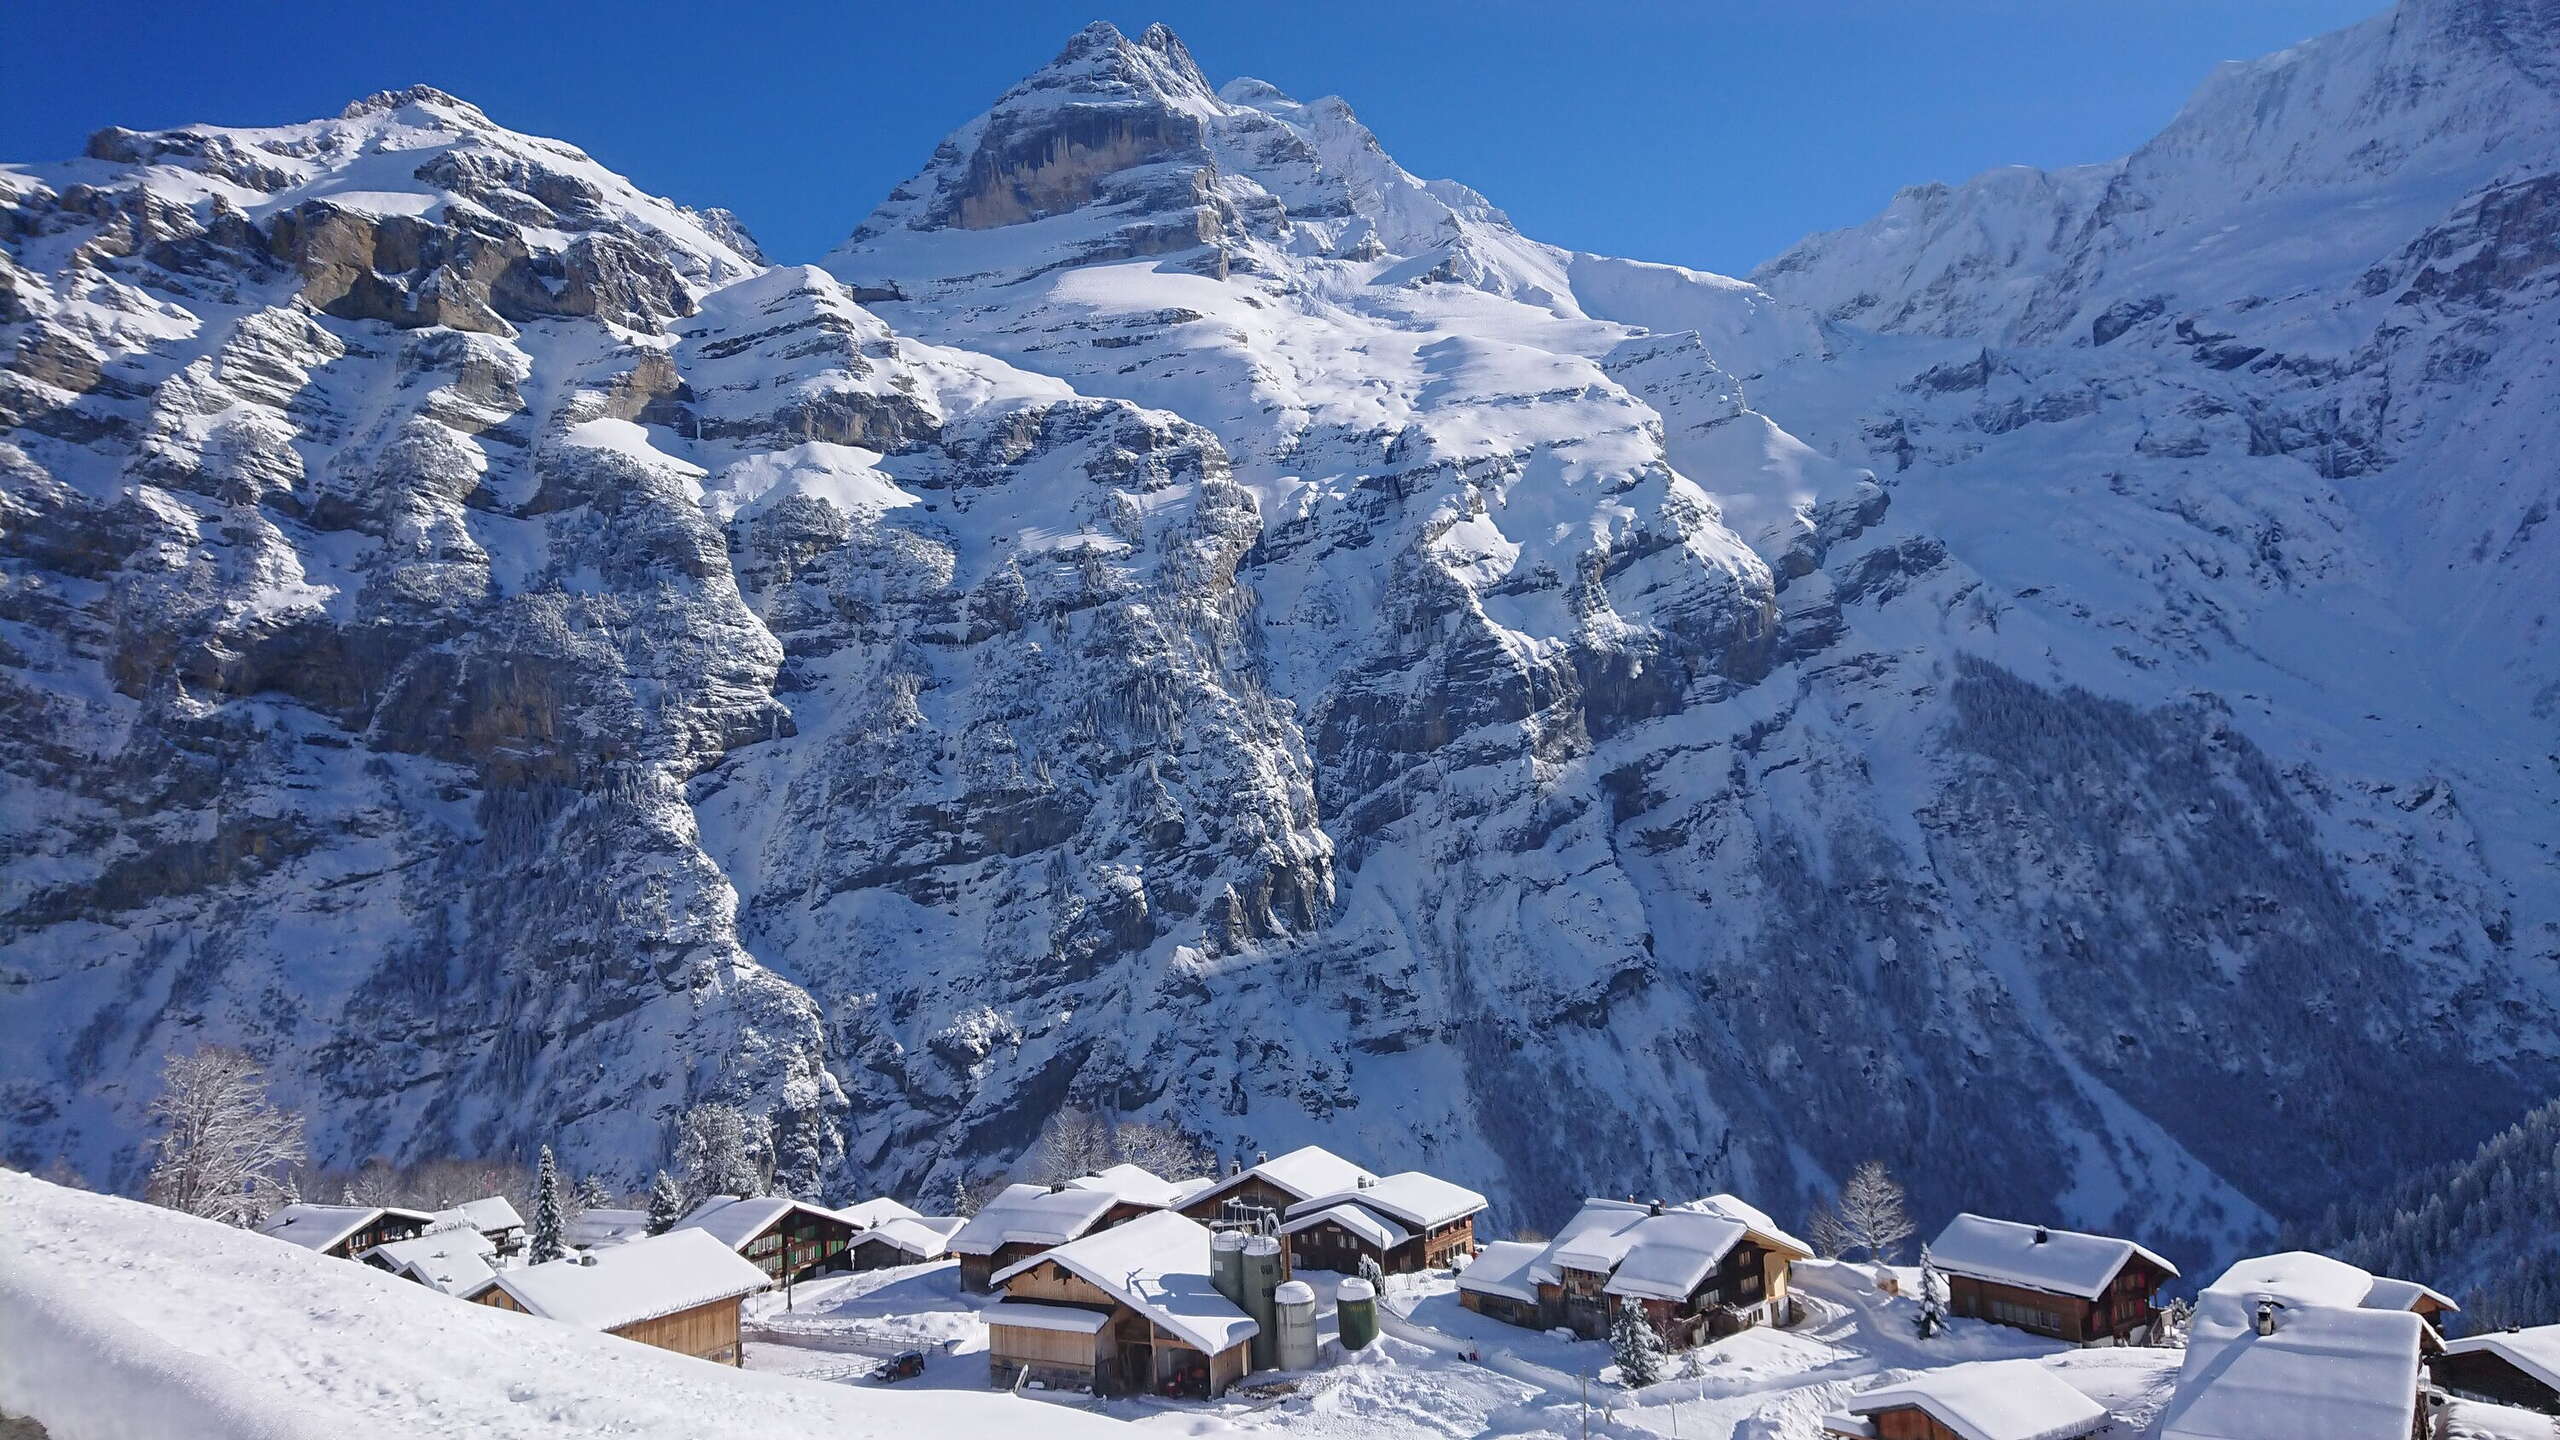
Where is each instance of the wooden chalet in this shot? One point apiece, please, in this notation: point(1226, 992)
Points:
point(905, 1240)
point(1991, 1400)
point(1129, 1310)
point(679, 1291)
point(2087, 1289)
point(2260, 1366)
point(495, 1218)
point(345, 1231)
point(1022, 1222)
point(2301, 1278)
point(2505, 1367)
point(458, 1261)
point(789, 1240)
point(1699, 1271)
point(1404, 1222)
point(1272, 1185)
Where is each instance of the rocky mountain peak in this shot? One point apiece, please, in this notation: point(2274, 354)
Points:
point(423, 98)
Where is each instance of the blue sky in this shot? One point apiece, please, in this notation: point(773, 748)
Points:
point(1711, 134)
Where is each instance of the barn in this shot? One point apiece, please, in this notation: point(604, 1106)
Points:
point(2082, 1288)
point(1130, 1310)
point(679, 1291)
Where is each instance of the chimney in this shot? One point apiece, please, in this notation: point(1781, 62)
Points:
point(1261, 1157)
point(1058, 1187)
point(1366, 1182)
point(1655, 1208)
point(2042, 1234)
point(586, 1257)
point(2267, 1317)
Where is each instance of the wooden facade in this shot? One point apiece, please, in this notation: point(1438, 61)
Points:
point(878, 1254)
point(978, 1272)
point(1749, 1287)
point(384, 1229)
point(2490, 1376)
point(1509, 1309)
point(1326, 1245)
point(2124, 1314)
point(1128, 1355)
point(706, 1332)
point(1906, 1422)
point(801, 1244)
point(1249, 1191)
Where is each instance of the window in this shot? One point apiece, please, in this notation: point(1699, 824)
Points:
point(2025, 1317)
point(1750, 1284)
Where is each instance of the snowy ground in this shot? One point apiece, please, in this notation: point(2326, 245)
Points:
point(122, 1322)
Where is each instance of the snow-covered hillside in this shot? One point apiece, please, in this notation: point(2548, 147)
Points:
point(1182, 617)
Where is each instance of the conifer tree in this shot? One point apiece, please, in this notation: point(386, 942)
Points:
point(666, 1204)
point(1933, 1297)
point(547, 1221)
point(1636, 1347)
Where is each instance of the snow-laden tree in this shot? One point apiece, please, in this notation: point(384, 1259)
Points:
point(224, 1151)
point(1933, 1298)
point(666, 1203)
point(1872, 1213)
point(590, 1193)
point(723, 1150)
point(548, 1221)
point(1636, 1346)
point(1824, 1232)
point(1074, 1142)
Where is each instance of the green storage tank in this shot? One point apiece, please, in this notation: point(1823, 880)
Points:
point(1355, 1309)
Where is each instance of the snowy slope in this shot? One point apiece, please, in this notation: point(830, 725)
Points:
point(1182, 617)
point(225, 1335)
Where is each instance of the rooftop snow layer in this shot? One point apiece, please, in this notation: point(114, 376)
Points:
point(1138, 1185)
point(455, 1262)
point(1502, 1268)
point(1667, 1256)
point(2535, 1351)
point(317, 1227)
point(735, 1221)
point(604, 1225)
point(2299, 1277)
point(218, 1342)
point(1991, 1400)
point(1303, 1173)
point(1367, 1224)
point(2060, 1262)
point(1041, 1315)
point(1418, 1199)
point(1157, 1265)
point(927, 1237)
point(871, 1214)
point(2327, 1371)
point(1733, 1207)
point(494, 1212)
point(1031, 1215)
point(626, 1284)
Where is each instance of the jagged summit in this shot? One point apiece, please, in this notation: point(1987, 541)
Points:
point(423, 97)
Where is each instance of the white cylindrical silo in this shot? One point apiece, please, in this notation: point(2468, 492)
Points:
point(1296, 1301)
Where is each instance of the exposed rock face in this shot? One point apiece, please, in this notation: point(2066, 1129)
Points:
point(1180, 616)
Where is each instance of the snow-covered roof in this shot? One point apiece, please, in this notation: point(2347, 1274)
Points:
point(1988, 1400)
point(654, 1276)
point(317, 1227)
point(490, 1213)
point(2037, 1257)
point(1367, 1224)
point(602, 1225)
point(2327, 1371)
point(1157, 1265)
point(1656, 1256)
point(1502, 1268)
point(870, 1214)
point(926, 1237)
point(2300, 1277)
point(1031, 1215)
point(1303, 1174)
point(1041, 1315)
point(1138, 1185)
point(2536, 1352)
point(453, 1261)
point(1418, 1199)
point(736, 1220)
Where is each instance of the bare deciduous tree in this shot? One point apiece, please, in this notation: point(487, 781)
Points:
point(1075, 1142)
point(1165, 1150)
point(1872, 1214)
point(224, 1151)
point(973, 1195)
point(1823, 1231)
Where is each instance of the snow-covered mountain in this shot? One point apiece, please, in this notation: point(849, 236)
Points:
point(1182, 617)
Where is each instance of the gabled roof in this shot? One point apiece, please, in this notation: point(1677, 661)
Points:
point(2327, 1371)
point(1032, 1215)
point(1140, 1186)
point(1754, 1217)
point(600, 1226)
point(317, 1227)
point(453, 1261)
point(1367, 1224)
point(2536, 1351)
point(1502, 1268)
point(735, 1220)
point(1662, 1256)
point(1417, 1199)
point(647, 1278)
point(1157, 1265)
point(872, 1213)
point(926, 1237)
point(2059, 1262)
point(494, 1212)
point(2300, 1277)
point(1302, 1174)
point(1988, 1400)
point(1041, 1315)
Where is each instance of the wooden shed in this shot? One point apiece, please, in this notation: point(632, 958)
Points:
point(679, 1291)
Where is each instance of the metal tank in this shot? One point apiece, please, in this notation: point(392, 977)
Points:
point(1296, 1301)
point(1226, 1265)
point(1355, 1308)
point(1262, 1270)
